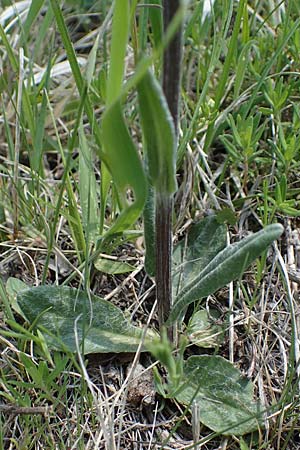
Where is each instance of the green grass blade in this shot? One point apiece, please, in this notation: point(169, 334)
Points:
point(80, 83)
point(31, 16)
point(10, 53)
point(43, 33)
point(214, 61)
point(105, 185)
point(92, 61)
point(26, 105)
point(241, 68)
point(68, 45)
point(87, 188)
point(5, 301)
point(72, 215)
point(38, 139)
point(269, 65)
point(64, 181)
point(225, 71)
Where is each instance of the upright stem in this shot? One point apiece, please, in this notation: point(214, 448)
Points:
point(163, 225)
point(164, 202)
point(172, 62)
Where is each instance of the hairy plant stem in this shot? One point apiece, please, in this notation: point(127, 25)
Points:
point(164, 202)
point(171, 76)
point(163, 225)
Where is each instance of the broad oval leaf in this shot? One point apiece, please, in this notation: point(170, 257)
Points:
point(159, 133)
point(223, 396)
point(227, 266)
point(205, 240)
point(57, 310)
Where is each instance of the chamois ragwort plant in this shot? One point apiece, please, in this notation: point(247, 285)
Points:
point(192, 271)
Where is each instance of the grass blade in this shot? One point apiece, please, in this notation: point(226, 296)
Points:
point(87, 188)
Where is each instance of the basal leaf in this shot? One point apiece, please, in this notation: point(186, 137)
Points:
point(205, 240)
point(224, 398)
point(227, 266)
point(13, 287)
point(205, 329)
point(159, 134)
point(59, 310)
point(113, 266)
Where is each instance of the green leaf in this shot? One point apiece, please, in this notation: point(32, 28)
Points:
point(226, 215)
point(31, 17)
point(60, 310)
point(13, 287)
point(244, 445)
point(205, 240)
point(79, 80)
point(287, 209)
point(125, 166)
point(221, 87)
point(112, 266)
point(205, 330)
point(241, 68)
point(87, 187)
point(143, 28)
point(227, 266)
point(91, 64)
point(159, 134)
point(114, 147)
point(225, 399)
point(155, 16)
